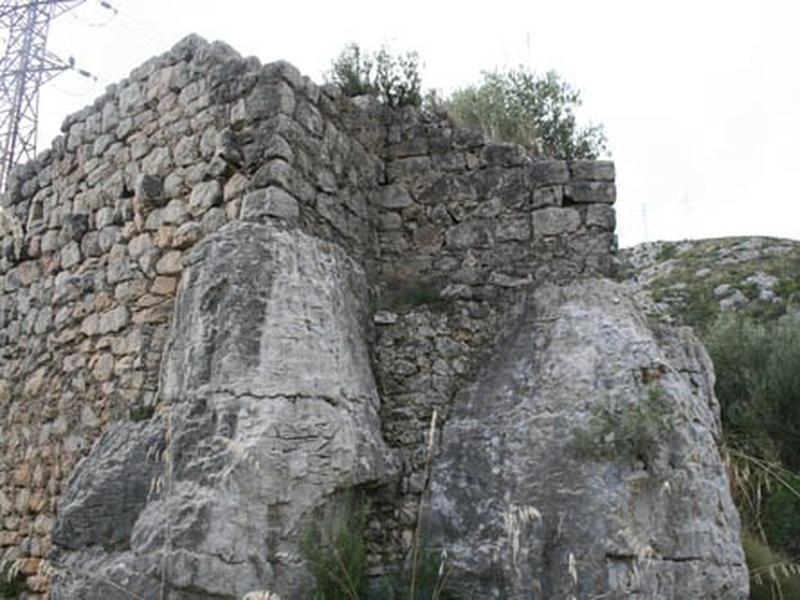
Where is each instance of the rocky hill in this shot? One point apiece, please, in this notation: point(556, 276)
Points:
point(692, 281)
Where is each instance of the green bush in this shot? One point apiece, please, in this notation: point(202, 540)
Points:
point(395, 79)
point(758, 385)
point(526, 108)
point(782, 516)
point(352, 72)
point(141, 413)
point(517, 105)
point(430, 580)
point(666, 252)
point(631, 431)
point(336, 555)
point(772, 576)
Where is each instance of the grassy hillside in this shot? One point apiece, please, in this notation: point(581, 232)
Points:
point(691, 282)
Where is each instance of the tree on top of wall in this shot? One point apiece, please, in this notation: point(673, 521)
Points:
point(517, 105)
point(521, 106)
point(394, 79)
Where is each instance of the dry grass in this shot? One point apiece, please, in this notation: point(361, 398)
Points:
point(752, 478)
point(418, 530)
point(261, 595)
point(772, 575)
point(169, 465)
point(514, 520)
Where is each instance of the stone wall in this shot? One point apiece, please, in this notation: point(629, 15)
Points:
point(479, 218)
point(200, 137)
point(465, 228)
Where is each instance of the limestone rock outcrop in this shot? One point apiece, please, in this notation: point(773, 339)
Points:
point(270, 409)
point(525, 511)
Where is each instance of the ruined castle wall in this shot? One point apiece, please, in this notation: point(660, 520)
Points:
point(472, 224)
point(465, 227)
point(199, 137)
point(191, 140)
point(478, 217)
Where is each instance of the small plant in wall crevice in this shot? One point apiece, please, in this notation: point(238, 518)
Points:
point(628, 431)
point(336, 555)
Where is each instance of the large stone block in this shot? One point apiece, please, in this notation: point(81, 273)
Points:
point(469, 234)
point(592, 170)
point(602, 216)
point(270, 202)
point(267, 100)
point(395, 196)
point(585, 192)
point(520, 508)
point(555, 221)
point(549, 171)
point(267, 411)
point(149, 190)
point(205, 195)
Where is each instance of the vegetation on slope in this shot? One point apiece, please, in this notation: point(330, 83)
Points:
point(742, 296)
point(692, 282)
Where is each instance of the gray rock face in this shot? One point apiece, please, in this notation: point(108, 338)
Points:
point(525, 511)
point(269, 409)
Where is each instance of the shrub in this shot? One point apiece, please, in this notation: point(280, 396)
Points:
point(628, 431)
point(758, 385)
point(517, 105)
point(666, 252)
point(336, 555)
point(772, 576)
point(523, 107)
point(430, 580)
point(782, 516)
point(141, 413)
point(395, 79)
point(352, 72)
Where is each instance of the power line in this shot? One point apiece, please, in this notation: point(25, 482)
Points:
point(644, 221)
point(24, 67)
point(147, 28)
point(92, 24)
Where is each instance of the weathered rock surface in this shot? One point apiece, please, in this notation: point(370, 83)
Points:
point(523, 514)
point(270, 410)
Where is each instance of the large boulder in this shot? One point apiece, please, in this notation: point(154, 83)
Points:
point(268, 412)
point(583, 461)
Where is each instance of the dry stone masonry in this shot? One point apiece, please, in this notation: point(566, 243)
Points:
point(230, 297)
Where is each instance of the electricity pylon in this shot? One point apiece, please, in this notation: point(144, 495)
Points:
point(25, 65)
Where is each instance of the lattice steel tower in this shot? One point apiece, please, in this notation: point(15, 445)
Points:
point(24, 67)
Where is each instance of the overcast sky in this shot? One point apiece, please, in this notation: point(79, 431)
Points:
point(700, 99)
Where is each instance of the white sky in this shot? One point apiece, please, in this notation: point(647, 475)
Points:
point(700, 99)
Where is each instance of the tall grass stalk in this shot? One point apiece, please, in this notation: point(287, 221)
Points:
point(168, 458)
point(417, 540)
